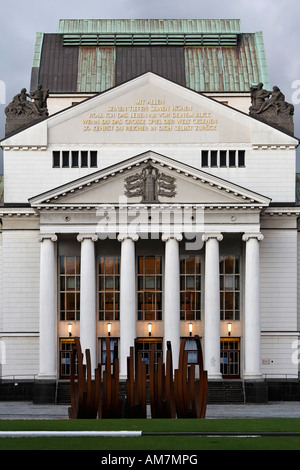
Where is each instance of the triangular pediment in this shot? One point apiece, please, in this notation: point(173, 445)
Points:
point(149, 178)
point(145, 110)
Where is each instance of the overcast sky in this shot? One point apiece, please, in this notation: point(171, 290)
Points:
point(278, 19)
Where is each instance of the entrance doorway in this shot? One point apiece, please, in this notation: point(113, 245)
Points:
point(143, 347)
point(65, 349)
point(230, 358)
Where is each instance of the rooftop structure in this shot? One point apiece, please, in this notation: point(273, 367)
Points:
point(91, 56)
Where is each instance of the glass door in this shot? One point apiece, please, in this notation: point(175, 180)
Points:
point(230, 358)
point(65, 350)
point(143, 347)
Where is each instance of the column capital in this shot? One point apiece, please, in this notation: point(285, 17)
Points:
point(123, 236)
point(250, 235)
point(48, 236)
point(87, 236)
point(213, 235)
point(168, 236)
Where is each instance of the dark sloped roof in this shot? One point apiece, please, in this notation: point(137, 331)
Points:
point(91, 56)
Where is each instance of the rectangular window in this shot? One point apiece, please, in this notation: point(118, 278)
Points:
point(69, 279)
point(204, 158)
point(109, 288)
point(213, 158)
point(241, 158)
point(230, 288)
point(149, 288)
point(56, 159)
point(75, 160)
point(93, 159)
point(190, 287)
point(232, 158)
point(65, 159)
point(84, 159)
point(223, 158)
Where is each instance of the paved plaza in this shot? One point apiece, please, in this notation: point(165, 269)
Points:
point(28, 410)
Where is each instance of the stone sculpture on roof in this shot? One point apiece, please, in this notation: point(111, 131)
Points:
point(25, 109)
point(271, 107)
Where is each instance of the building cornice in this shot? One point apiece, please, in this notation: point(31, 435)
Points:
point(18, 212)
point(282, 211)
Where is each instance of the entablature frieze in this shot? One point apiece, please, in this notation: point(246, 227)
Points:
point(19, 219)
point(154, 219)
point(142, 207)
point(280, 218)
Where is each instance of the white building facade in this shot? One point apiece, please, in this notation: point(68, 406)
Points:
point(150, 212)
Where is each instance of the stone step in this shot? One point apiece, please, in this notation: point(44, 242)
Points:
point(63, 393)
point(225, 392)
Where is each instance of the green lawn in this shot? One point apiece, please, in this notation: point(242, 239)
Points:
point(156, 442)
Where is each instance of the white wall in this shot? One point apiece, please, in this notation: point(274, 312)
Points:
point(279, 292)
point(20, 302)
point(22, 357)
point(279, 280)
point(28, 173)
point(268, 172)
point(278, 357)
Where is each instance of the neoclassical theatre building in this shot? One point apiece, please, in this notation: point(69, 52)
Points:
point(149, 195)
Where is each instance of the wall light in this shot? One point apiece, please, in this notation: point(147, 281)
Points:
point(108, 328)
point(70, 329)
point(149, 328)
point(229, 328)
point(191, 328)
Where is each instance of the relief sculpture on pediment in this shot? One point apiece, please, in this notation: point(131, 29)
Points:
point(149, 184)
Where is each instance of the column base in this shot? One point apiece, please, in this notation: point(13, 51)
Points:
point(215, 377)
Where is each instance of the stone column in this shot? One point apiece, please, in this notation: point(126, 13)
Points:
point(48, 310)
point(88, 296)
point(212, 305)
point(128, 297)
point(252, 368)
point(172, 295)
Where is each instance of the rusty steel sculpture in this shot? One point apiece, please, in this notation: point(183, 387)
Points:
point(135, 387)
point(162, 399)
point(85, 392)
point(190, 392)
point(181, 396)
point(111, 406)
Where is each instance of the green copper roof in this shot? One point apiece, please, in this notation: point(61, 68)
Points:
point(174, 26)
point(91, 56)
point(149, 32)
